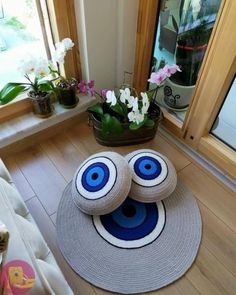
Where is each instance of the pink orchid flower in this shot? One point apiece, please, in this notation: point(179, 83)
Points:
point(171, 69)
point(158, 77)
point(104, 92)
point(87, 88)
point(82, 86)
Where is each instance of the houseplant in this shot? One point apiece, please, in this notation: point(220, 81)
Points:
point(192, 37)
point(39, 89)
point(66, 89)
point(123, 117)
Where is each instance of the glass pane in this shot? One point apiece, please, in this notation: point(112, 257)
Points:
point(183, 31)
point(20, 35)
point(224, 126)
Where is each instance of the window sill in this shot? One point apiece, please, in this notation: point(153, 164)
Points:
point(28, 124)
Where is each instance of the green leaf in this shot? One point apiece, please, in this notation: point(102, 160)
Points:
point(45, 86)
point(135, 126)
point(10, 91)
point(111, 125)
point(149, 122)
point(118, 109)
point(96, 108)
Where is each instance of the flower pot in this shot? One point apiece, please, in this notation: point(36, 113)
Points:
point(67, 97)
point(42, 105)
point(128, 137)
point(177, 96)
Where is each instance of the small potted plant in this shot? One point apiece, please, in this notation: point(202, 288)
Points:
point(66, 88)
point(123, 117)
point(39, 89)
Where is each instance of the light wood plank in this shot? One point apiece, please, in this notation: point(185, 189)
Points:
point(63, 154)
point(19, 180)
point(44, 178)
point(211, 194)
point(82, 138)
point(48, 230)
point(169, 290)
point(186, 287)
point(219, 239)
point(209, 276)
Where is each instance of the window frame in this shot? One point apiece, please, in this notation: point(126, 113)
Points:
point(217, 70)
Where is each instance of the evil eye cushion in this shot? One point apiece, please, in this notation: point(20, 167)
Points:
point(101, 183)
point(154, 177)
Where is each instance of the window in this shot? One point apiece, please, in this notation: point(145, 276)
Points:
point(22, 33)
point(55, 21)
point(224, 127)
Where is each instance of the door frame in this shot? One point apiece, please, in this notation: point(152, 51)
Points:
point(217, 71)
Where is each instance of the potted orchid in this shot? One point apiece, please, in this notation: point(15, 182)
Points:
point(124, 117)
point(66, 88)
point(39, 89)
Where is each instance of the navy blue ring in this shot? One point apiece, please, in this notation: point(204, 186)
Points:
point(94, 185)
point(155, 155)
point(135, 233)
point(145, 173)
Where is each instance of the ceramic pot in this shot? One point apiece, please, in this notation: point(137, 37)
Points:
point(177, 96)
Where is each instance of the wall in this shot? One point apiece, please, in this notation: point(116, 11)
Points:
point(107, 30)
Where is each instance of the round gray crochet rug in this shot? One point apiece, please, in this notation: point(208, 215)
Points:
point(137, 248)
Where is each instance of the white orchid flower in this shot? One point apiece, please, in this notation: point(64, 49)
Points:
point(124, 95)
point(136, 117)
point(135, 105)
point(111, 98)
point(60, 53)
point(28, 65)
point(67, 42)
point(130, 102)
point(42, 68)
point(145, 102)
point(61, 49)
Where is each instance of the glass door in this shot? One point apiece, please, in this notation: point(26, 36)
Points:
point(199, 122)
point(183, 32)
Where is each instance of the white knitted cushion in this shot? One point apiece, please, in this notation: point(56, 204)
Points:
point(101, 183)
point(154, 177)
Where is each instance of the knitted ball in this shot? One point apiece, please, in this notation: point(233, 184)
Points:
point(101, 183)
point(154, 177)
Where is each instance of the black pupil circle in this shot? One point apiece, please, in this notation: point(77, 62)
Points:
point(129, 210)
point(147, 166)
point(94, 176)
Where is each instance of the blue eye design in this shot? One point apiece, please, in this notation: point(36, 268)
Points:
point(149, 169)
point(132, 225)
point(96, 178)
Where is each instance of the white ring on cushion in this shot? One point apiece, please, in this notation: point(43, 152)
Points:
point(153, 182)
point(101, 193)
point(135, 243)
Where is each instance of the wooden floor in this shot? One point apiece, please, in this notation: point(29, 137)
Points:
point(42, 172)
